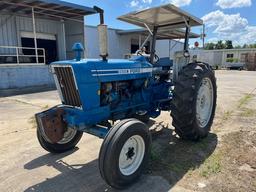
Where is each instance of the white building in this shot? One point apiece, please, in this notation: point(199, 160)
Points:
point(125, 42)
point(51, 27)
point(223, 58)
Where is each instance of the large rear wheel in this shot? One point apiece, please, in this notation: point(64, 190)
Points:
point(194, 101)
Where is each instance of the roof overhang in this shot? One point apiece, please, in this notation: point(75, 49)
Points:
point(162, 33)
point(162, 16)
point(47, 8)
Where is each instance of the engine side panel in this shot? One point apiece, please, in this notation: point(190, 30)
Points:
point(89, 74)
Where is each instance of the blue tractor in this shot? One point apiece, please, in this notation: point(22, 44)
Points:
point(114, 98)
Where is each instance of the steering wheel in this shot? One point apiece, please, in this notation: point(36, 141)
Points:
point(139, 52)
point(156, 58)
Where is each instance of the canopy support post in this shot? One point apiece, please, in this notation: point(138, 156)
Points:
point(153, 46)
point(186, 43)
point(144, 43)
point(139, 40)
point(64, 39)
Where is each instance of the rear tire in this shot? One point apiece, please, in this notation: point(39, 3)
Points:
point(194, 101)
point(124, 153)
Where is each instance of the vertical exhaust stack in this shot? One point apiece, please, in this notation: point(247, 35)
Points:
point(103, 34)
point(103, 41)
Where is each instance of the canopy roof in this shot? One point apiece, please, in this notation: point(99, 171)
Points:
point(161, 34)
point(49, 8)
point(162, 16)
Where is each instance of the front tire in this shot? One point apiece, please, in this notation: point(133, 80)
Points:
point(69, 141)
point(124, 153)
point(142, 117)
point(194, 101)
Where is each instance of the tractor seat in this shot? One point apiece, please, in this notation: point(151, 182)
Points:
point(164, 62)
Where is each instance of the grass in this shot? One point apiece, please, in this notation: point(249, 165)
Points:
point(227, 115)
point(175, 167)
point(241, 103)
point(155, 154)
point(45, 107)
point(248, 112)
point(212, 165)
point(202, 145)
point(244, 100)
point(158, 161)
point(184, 161)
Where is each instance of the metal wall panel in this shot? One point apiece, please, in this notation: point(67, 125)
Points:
point(74, 32)
point(7, 33)
point(117, 45)
point(51, 27)
point(11, 26)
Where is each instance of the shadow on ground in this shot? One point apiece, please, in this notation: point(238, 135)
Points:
point(171, 158)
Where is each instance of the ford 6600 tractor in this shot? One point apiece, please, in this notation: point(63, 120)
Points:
point(114, 98)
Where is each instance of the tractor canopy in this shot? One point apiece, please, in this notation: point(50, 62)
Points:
point(163, 16)
point(163, 33)
point(162, 22)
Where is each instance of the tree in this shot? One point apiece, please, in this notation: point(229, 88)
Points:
point(245, 46)
point(228, 44)
point(252, 46)
point(209, 46)
point(220, 45)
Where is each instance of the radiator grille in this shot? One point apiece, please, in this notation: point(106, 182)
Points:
point(67, 85)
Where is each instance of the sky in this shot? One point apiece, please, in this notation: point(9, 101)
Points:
point(224, 19)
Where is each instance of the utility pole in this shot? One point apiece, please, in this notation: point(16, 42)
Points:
point(203, 35)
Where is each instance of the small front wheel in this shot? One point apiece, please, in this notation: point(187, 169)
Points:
point(70, 139)
point(124, 153)
point(142, 117)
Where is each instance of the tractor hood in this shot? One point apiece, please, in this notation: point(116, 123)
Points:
point(84, 78)
point(112, 69)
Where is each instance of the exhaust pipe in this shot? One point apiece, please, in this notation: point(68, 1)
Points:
point(103, 35)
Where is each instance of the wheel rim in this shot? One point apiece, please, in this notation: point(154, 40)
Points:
point(131, 155)
point(204, 103)
point(68, 136)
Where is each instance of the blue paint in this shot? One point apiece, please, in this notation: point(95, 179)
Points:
point(78, 49)
point(137, 89)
